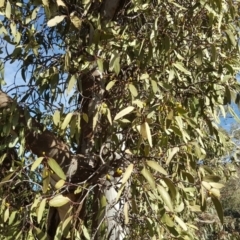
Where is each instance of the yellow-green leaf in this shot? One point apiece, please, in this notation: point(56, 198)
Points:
point(6, 179)
point(154, 165)
point(36, 163)
point(180, 67)
point(216, 185)
point(127, 173)
point(46, 179)
point(181, 223)
point(2, 3)
point(56, 168)
point(171, 153)
point(218, 208)
point(146, 132)
point(124, 112)
point(59, 201)
point(85, 232)
point(56, 118)
point(54, 21)
point(41, 209)
point(6, 215)
point(215, 192)
point(165, 197)
point(76, 21)
point(110, 85)
point(61, 3)
point(59, 184)
point(8, 10)
point(148, 177)
point(66, 120)
point(133, 90)
point(71, 83)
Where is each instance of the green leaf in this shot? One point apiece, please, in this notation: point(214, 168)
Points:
point(115, 63)
point(171, 187)
point(6, 215)
point(56, 118)
point(133, 90)
point(171, 153)
point(56, 168)
point(6, 179)
point(216, 185)
point(76, 21)
point(41, 209)
point(60, 184)
point(231, 37)
point(124, 112)
point(218, 208)
point(211, 178)
point(46, 179)
point(36, 163)
point(154, 165)
point(56, 20)
point(110, 85)
point(148, 177)
point(8, 10)
point(59, 201)
point(127, 173)
point(180, 67)
point(85, 232)
point(71, 83)
point(181, 223)
point(2, 3)
point(61, 3)
point(146, 132)
point(66, 120)
point(165, 197)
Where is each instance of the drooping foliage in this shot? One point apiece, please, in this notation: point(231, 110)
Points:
point(130, 93)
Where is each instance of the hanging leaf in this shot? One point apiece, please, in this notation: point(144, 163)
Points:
point(41, 209)
point(59, 201)
point(56, 168)
point(8, 10)
point(6, 215)
point(180, 67)
point(61, 3)
point(71, 83)
point(110, 85)
point(127, 173)
point(218, 208)
point(66, 120)
point(56, 20)
point(6, 179)
point(231, 37)
point(171, 153)
point(76, 21)
point(165, 197)
point(115, 63)
point(60, 184)
point(56, 118)
point(46, 179)
point(148, 177)
point(181, 223)
point(155, 166)
point(124, 112)
point(36, 163)
point(133, 90)
point(85, 232)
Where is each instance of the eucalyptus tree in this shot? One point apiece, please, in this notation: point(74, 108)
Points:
point(110, 129)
